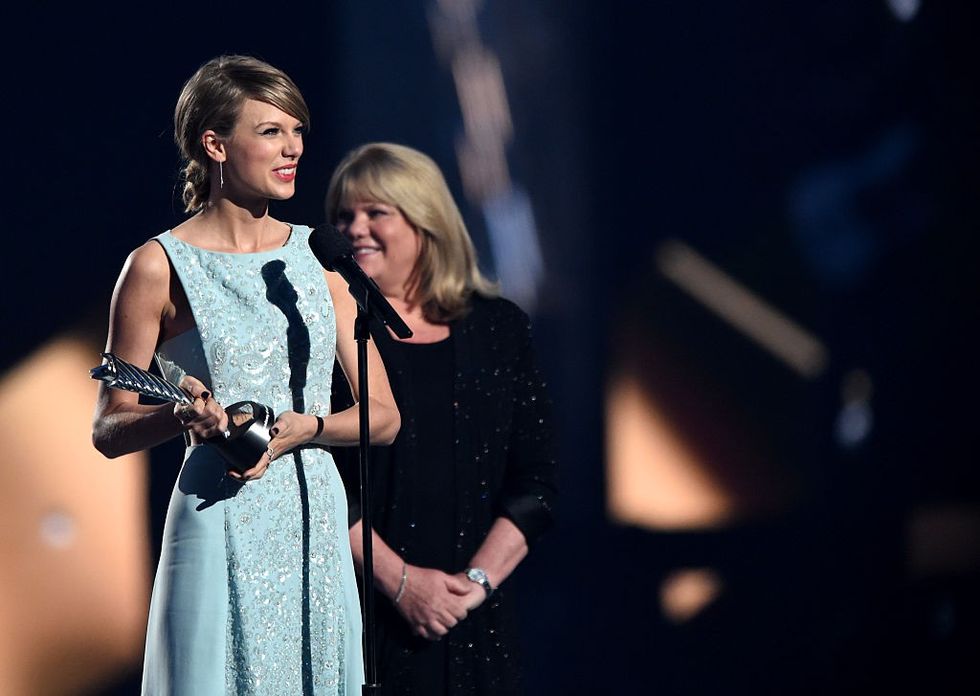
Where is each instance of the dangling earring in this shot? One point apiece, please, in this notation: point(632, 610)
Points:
point(221, 175)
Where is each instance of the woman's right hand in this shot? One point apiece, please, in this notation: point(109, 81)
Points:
point(433, 601)
point(204, 417)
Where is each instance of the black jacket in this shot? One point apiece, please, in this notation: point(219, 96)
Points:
point(504, 466)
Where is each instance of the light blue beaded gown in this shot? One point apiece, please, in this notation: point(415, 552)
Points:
point(255, 590)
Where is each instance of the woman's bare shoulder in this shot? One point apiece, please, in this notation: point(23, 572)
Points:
point(147, 263)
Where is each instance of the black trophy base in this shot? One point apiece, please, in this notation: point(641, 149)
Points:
point(248, 435)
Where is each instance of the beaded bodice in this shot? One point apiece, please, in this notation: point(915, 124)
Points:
point(262, 319)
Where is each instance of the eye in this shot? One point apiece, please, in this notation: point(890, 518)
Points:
point(271, 130)
point(300, 130)
point(376, 212)
point(345, 216)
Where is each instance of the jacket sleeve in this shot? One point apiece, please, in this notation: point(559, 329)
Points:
point(530, 485)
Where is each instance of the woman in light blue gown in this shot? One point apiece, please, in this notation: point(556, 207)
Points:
point(255, 590)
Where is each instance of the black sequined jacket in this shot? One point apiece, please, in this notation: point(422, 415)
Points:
point(505, 466)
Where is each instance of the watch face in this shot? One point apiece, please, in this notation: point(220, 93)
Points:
point(478, 576)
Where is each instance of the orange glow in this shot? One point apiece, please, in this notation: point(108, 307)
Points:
point(74, 574)
point(654, 479)
point(687, 592)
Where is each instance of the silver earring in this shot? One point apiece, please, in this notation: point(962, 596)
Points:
point(221, 175)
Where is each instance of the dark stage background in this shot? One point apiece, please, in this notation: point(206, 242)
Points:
point(746, 235)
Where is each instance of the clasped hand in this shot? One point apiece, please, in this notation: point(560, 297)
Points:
point(206, 418)
point(434, 601)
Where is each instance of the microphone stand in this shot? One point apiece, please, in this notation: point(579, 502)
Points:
point(335, 253)
point(362, 334)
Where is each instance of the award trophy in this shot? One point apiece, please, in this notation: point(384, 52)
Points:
point(247, 436)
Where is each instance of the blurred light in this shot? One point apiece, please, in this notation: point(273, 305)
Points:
point(743, 310)
point(687, 592)
point(510, 221)
point(654, 479)
point(58, 529)
point(483, 168)
point(481, 148)
point(905, 10)
point(837, 236)
point(74, 557)
point(856, 418)
point(482, 98)
point(853, 424)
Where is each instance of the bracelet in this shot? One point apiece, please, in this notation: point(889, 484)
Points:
point(319, 427)
point(403, 584)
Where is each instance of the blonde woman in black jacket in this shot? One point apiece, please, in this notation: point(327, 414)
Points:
point(469, 484)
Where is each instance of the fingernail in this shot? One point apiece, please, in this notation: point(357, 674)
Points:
point(274, 431)
point(205, 395)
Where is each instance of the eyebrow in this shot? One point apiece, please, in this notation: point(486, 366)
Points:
point(278, 124)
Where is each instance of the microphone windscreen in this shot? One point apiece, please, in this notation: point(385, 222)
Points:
point(328, 245)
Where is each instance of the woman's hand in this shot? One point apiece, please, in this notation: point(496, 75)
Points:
point(475, 595)
point(204, 416)
point(290, 430)
point(433, 601)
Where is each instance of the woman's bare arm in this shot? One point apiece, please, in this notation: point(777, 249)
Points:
point(140, 303)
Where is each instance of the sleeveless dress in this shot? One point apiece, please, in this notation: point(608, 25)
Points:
point(255, 590)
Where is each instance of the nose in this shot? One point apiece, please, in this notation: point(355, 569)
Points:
point(357, 227)
point(293, 147)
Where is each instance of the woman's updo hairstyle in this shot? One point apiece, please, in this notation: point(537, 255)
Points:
point(212, 99)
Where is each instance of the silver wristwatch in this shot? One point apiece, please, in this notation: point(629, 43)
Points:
point(479, 576)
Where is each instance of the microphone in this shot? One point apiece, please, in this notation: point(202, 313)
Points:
point(335, 253)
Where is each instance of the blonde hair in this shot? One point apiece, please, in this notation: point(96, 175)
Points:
point(446, 273)
point(212, 99)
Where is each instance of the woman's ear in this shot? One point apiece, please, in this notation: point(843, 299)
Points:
point(213, 145)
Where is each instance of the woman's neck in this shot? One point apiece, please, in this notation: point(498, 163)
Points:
point(423, 330)
point(223, 226)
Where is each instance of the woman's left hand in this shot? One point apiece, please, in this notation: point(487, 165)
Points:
point(290, 430)
point(476, 595)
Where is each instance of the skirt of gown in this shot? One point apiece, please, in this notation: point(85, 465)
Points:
point(255, 590)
